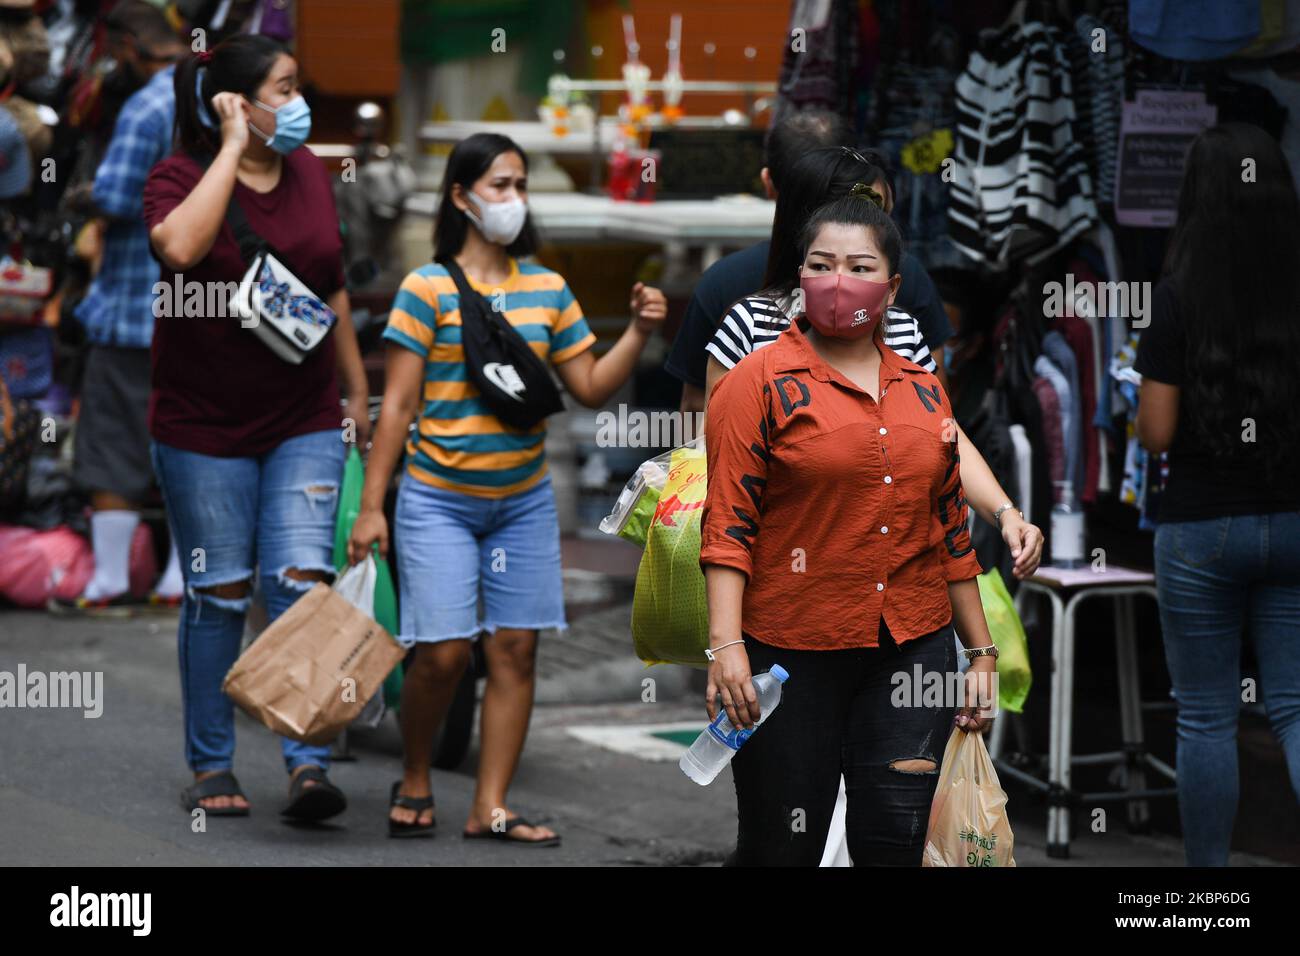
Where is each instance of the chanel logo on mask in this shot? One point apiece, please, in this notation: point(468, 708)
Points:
point(860, 316)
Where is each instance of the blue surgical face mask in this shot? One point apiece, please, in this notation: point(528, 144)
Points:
point(292, 124)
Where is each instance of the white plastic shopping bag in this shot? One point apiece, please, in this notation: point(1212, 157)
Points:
point(356, 585)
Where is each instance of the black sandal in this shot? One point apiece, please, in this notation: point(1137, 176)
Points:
point(313, 804)
point(419, 804)
point(504, 835)
point(221, 784)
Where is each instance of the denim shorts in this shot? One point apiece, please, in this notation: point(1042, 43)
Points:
point(453, 548)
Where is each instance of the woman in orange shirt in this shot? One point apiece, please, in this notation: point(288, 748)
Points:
point(835, 544)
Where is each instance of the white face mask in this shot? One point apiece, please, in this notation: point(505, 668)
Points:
point(499, 222)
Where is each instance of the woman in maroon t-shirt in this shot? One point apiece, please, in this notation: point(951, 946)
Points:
point(248, 448)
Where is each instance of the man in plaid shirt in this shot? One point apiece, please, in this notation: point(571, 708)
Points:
point(112, 438)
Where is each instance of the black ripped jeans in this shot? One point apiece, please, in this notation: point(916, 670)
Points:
point(844, 712)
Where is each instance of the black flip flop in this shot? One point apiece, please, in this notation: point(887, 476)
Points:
point(505, 837)
point(313, 804)
point(221, 784)
point(400, 830)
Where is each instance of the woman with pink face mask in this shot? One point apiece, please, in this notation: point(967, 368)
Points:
point(835, 544)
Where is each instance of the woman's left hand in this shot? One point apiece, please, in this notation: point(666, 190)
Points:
point(356, 408)
point(649, 307)
point(981, 688)
point(1025, 541)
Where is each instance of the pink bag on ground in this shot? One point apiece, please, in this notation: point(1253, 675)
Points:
point(38, 565)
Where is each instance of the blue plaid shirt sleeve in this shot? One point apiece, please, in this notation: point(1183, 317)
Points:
point(139, 141)
point(118, 306)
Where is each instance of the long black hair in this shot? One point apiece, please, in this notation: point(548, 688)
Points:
point(1234, 264)
point(820, 176)
point(240, 64)
point(469, 160)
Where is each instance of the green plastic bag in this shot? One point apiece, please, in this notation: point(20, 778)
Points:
point(670, 616)
point(354, 479)
point(1008, 634)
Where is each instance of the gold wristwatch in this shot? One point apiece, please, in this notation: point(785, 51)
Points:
point(974, 652)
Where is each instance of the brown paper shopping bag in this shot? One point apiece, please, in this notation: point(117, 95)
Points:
point(311, 671)
point(968, 819)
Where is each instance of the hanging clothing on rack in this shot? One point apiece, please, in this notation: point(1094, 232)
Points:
point(1279, 29)
point(821, 74)
point(1063, 409)
point(1014, 377)
point(1102, 101)
point(1021, 188)
point(1078, 334)
point(1058, 352)
point(1194, 29)
point(1048, 394)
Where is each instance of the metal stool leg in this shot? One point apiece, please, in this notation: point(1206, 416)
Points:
point(1126, 662)
point(1065, 731)
point(1058, 769)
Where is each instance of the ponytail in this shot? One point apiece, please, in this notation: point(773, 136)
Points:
point(239, 64)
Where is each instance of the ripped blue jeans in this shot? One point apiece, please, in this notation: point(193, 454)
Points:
point(230, 516)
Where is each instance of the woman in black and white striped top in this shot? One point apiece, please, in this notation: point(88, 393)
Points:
point(756, 321)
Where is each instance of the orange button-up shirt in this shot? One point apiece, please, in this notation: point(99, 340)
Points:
point(839, 509)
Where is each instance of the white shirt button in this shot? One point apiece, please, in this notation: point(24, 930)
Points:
point(880, 587)
point(884, 529)
point(889, 479)
point(884, 431)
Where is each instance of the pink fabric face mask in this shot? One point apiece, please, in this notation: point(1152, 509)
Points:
point(843, 306)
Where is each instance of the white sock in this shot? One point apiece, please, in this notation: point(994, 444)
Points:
point(172, 581)
point(110, 536)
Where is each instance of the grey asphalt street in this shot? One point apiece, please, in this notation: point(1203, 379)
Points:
point(80, 791)
point(104, 791)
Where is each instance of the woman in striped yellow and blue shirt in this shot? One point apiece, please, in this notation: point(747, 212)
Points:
point(475, 511)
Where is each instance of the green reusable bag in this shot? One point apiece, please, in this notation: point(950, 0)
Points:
point(1008, 634)
point(670, 616)
point(354, 478)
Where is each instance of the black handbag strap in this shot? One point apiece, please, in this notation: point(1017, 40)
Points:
point(250, 243)
point(471, 300)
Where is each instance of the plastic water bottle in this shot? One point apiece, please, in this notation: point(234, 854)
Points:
point(718, 742)
point(1067, 528)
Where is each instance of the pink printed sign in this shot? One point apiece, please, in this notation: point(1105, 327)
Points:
point(1155, 131)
